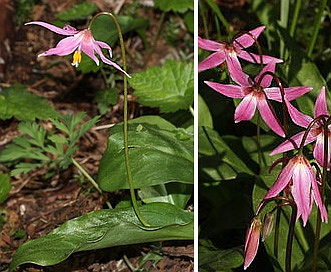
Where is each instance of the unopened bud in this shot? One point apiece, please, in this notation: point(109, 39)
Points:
point(252, 241)
point(268, 224)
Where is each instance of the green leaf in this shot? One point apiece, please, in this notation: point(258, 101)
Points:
point(217, 160)
point(204, 115)
point(189, 21)
point(78, 12)
point(16, 101)
point(213, 259)
point(105, 99)
point(106, 228)
point(5, 187)
point(174, 5)
point(169, 87)
point(158, 155)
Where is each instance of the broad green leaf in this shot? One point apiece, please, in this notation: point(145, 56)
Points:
point(169, 87)
point(78, 12)
point(173, 5)
point(217, 160)
point(5, 187)
point(174, 193)
point(213, 259)
point(158, 155)
point(204, 116)
point(16, 101)
point(106, 228)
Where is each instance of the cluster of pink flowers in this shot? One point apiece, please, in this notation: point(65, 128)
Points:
point(297, 178)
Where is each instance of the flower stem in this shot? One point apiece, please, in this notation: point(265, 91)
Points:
point(290, 235)
point(90, 179)
point(125, 122)
point(317, 24)
point(219, 14)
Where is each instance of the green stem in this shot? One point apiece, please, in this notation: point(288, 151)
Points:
point(290, 236)
point(125, 122)
point(219, 14)
point(317, 25)
point(93, 182)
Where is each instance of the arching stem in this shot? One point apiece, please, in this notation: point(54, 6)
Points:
point(125, 121)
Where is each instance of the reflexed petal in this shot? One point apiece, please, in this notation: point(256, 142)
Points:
point(319, 150)
point(291, 93)
point(303, 177)
point(283, 179)
point(211, 61)
point(105, 60)
point(319, 202)
point(251, 57)
point(298, 117)
point(65, 47)
point(229, 90)
point(293, 143)
point(67, 31)
point(266, 80)
point(269, 117)
point(246, 109)
point(105, 46)
point(209, 45)
point(88, 47)
point(246, 40)
point(320, 104)
point(236, 72)
point(252, 241)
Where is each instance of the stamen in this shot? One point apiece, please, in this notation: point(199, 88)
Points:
point(77, 58)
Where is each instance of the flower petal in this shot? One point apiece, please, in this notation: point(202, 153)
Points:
point(298, 117)
point(319, 150)
point(65, 47)
point(269, 117)
point(282, 181)
point(67, 31)
point(88, 46)
point(266, 80)
point(229, 90)
point(252, 241)
point(293, 143)
point(209, 44)
point(291, 93)
point(320, 104)
point(105, 46)
point(251, 57)
point(246, 40)
point(212, 61)
point(246, 109)
point(109, 62)
point(319, 202)
point(235, 70)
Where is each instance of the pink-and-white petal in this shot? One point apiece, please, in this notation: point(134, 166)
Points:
point(320, 104)
point(319, 150)
point(229, 90)
point(67, 31)
point(266, 78)
point(209, 44)
point(211, 61)
point(291, 93)
point(294, 142)
point(236, 72)
point(269, 117)
point(282, 181)
point(88, 47)
point(246, 40)
point(318, 200)
point(105, 46)
point(298, 117)
point(252, 241)
point(65, 47)
point(254, 58)
point(246, 108)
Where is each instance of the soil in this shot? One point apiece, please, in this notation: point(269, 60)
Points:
point(37, 205)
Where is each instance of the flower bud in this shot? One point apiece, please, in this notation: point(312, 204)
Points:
point(268, 224)
point(252, 241)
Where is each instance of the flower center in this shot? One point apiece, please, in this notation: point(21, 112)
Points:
point(77, 58)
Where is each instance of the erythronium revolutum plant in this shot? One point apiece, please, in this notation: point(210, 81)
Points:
point(301, 181)
point(152, 167)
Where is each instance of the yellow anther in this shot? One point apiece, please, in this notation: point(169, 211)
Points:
point(77, 58)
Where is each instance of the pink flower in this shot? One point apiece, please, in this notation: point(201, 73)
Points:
point(252, 241)
point(300, 177)
point(230, 51)
point(316, 133)
point(255, 94)
point(78, 41)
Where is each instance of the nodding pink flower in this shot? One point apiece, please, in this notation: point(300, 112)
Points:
point(255, 94)
point(230, 52)
point(299, 176)
point(252, 241)
point(316, 133)
point(78, 41)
